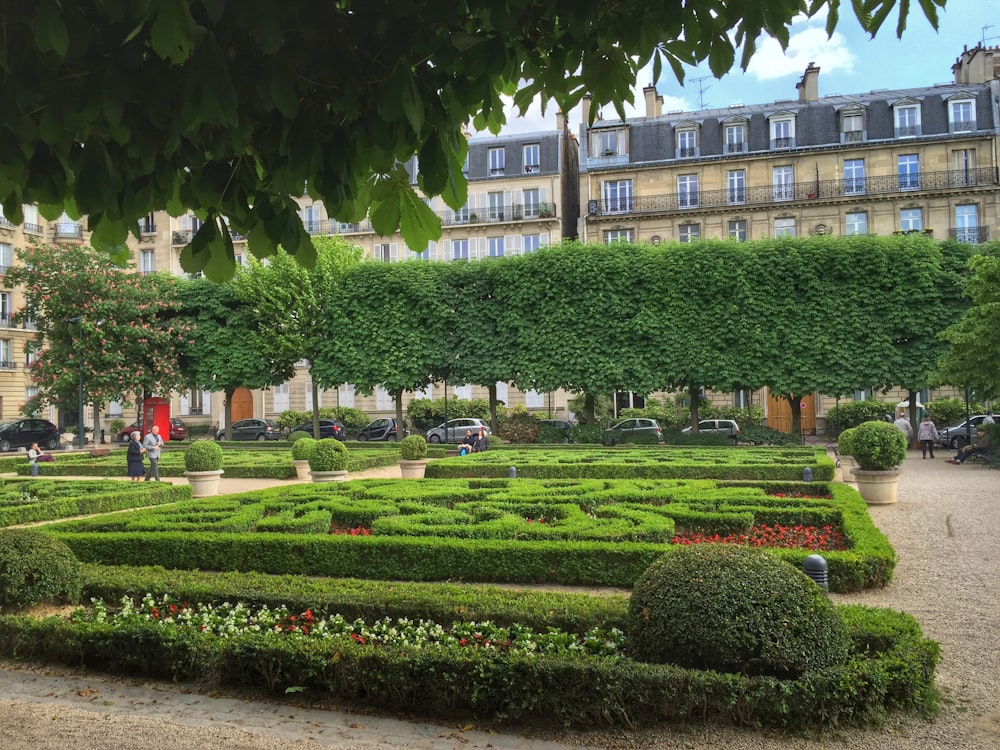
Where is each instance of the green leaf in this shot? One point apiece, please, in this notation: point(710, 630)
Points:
point(221, 260)
point(283, 96)
point(417, 223)
point(173, 32)
point(49, 30)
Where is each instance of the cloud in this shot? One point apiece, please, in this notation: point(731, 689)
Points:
point(809, 45)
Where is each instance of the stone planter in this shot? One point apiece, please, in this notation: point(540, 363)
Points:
point(204, 483)
point(302, 469)
point(847, 463)
point(412, 469)
point(329, 476)
point(877, 487)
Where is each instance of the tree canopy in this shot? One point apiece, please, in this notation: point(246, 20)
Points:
point(116, 108)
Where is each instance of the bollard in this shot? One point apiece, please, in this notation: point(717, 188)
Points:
point(815, 567)
point(34, 469)
point(807, 474)
point(512, 472)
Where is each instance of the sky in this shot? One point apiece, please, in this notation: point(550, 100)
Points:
point(850, 62)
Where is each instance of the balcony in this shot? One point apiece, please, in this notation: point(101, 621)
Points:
point(32, 228)
point(907, 131)
point(68, 230)
point(736, 148)
point(7, 365)
point(181, 236)
point(6, 321)
point(499, 214)
point(969, 235)
point(963, 126)
point(852, 136)
point(764, 195)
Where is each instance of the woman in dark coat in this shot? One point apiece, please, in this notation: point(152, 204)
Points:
point(136, 469)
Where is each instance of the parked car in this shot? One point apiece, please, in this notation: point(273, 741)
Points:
point(716, 427)
point(562, 425)
point(624, 431)
point(386, 429)
point(253, 429)
point(456, 429)
point(178, 430)
point(955, 437)
point(21, 433)
point(328, 428)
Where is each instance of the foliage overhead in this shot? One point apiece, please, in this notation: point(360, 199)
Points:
point(120, 327)
point(114, 109)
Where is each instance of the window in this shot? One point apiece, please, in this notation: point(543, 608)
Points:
point(738, 230)
point(687, 143)
point(495, 245)
point(30, 223)
point(908, 166)
point(736, 139)
point(617, 235)
point(147, 224)
point(531, 243)
point(345, 395)
point(534, 400)
point(496, 161)
point(963, 161)
point(147, 262)
point(962, 117)
point(852, 128)
point(531, 200)
point(30, 392)
point(782, 180)
point(6, 354)
point(383, 399)
point(463, 392)
point(312, 219)
point(907, 121)
point(854, 176)
point(496, 205)
point(782, 133)
point(689, 232)
point(784, 227)
point(607, 143)
point(196, 401)
point(460, 249)
point(736, 186)
point(531, 158)
point(967, 224)
point(387, 252)
point(618, 196)
point(687, 190)
point(309, 396)
point(428, 253)
point(6, 309)
point(280, 397)
point(911, 219)
point(856, 223)
point(6, 256)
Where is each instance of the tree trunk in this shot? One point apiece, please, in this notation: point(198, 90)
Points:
point(494, 424)
point(227, 415)
point(397, 396)
point(97, 423)
point(589, 409)
point(315, 415)
point(795, 402)
point(694, 398)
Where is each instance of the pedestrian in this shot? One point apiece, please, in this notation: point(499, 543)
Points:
point(36, 456)
point(466, 446)
point(979, 447)
point(988, 419)
point(927, 433)
point(903, 425)
point(136, 470)
point(153, 443)
point(482, 442)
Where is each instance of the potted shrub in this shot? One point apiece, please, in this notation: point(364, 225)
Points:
point(203, 467)
point(845, 452)
point(878, 449)
point(413, 457)
point(328, 462)
point(302, 448)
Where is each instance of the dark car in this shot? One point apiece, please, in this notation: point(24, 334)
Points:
point(380, 429)
point(957, 436)
point(628, 429)
point(21, 433)
point(328, 428)
point(178, 430)
point(562, 426)
point(253, 429)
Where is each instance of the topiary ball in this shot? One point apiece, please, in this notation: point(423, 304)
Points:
point(203, 455)
point(733, 609)
point(329, 454)
point(878, 446)
point(35, 567)
point(845, 442)
point(413, 448)
point(302, 447)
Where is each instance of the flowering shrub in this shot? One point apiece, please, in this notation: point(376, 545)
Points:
point(228, 620)
point(787, 537)
point(356, 531)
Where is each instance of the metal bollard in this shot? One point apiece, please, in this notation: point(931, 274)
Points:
point(512, 472)
point(816, 568)
point(807, 474)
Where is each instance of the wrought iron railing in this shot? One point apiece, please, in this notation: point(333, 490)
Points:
point(971, 235)
point(68, 231)
point(798, 192)
point(32, 227)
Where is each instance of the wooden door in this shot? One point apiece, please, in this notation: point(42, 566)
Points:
point(242, 404)
point(779, 413)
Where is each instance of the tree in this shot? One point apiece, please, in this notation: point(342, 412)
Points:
point(116, 109)
point(121, 329)
point(973, 359)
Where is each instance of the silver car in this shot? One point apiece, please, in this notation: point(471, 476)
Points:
point(627, 429)
point(957, 436)
point(456, 430)
point(716, 427)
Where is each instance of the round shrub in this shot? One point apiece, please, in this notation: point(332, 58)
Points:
point(413, 448)
point(35, 567)
point(303, 447)
point(733, 609)
point(298, 435)
point(203, 455)
point(878, 446)
point(329, 454)
point(845, 440)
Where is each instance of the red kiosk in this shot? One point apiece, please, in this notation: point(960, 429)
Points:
point(156, 411)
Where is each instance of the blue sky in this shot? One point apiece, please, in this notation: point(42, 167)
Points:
point(850, 62)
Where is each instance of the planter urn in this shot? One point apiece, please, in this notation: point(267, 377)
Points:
point(877, 487)
point(412, 468)
point(301, 469)
point(329, 476)
point(204, 483)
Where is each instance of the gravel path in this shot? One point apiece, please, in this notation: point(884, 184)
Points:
point(944, 529)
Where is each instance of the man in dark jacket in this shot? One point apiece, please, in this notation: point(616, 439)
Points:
point(978, 448)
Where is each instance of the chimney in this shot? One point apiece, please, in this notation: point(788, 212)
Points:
point(659, 105)
point(809, 85)
point(560, 121)
point(585, 110)
point(650, 93)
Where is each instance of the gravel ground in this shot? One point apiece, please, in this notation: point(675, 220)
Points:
point(944, 530)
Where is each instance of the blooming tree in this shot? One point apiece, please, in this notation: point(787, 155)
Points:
point(119, 328)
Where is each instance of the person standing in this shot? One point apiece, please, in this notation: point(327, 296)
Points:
point(927, 433)
point(903, 425)
point(988, 419)
point(153, 443)
point(136, 470)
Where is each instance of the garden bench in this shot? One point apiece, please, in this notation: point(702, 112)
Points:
point(98, 452)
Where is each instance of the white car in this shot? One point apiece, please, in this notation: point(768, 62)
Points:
point(716, 427)
point(456, 429)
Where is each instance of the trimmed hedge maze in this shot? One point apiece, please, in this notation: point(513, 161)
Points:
point(31, 500)
point(586, 532)
point(664, 462)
